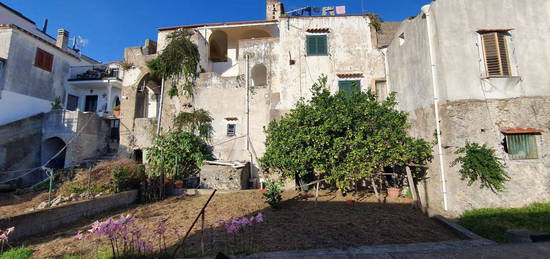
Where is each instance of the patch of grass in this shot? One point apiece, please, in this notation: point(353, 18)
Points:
point(493, 223)
point(17, 253)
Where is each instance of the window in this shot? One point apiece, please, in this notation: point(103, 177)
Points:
point(521, 146)
point(316, 45)
point(72, 102)
point(381, 89)
point(349, 86)
point(495, 49)
point(401, 39)
point(91, 103)
point(43, 60)
point(231, 130)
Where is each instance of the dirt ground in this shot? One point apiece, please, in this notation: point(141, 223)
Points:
point(299, 224)
point(13, 205)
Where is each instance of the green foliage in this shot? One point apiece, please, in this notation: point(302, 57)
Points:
point(78, 188)
point(178, 61)
point(17, 253)
point(493, 223)
point(178, 153)
point(479, 162)
point(198, 122)
point(116, 108)
point(56, 105)
point(273, 194)
point(342, 138)
point(375, 21)
point(123, 179)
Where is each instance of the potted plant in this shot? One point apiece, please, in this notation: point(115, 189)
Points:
point(178, 184)
point(116, 110)
point(393, 192)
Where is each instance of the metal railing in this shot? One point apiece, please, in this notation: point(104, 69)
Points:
point(94, 72)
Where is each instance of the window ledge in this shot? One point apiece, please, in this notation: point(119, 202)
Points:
point(501, 77)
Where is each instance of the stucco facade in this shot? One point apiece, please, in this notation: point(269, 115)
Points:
point(472, 106)
point(272, 54)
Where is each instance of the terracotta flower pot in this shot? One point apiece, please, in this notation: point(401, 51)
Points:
point(116, 113)
point(393, 192)
point(178, 184)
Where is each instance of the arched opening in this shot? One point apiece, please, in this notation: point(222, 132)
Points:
point(50, 148)
point(259, 75)
point(147, 98)
point(218, 46)
point(116, 102)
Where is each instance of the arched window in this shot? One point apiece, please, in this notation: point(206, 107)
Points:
point(218, 46)
point(259, 75)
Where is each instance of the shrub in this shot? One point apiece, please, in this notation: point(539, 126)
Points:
point(479, 162)
point(179, 153)
point(17, 253)
point(343, 138)
point(123, 179)
point(273, 193)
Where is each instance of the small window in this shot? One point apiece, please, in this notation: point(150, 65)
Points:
point(231, 130)
point(381, 89)
point(72, 102)
point(349, 86)
point(316, 45)
point(495, 50)
point(43, 60)
point(521, 146)
point(401, 39)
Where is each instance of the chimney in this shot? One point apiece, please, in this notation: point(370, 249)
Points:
point(62, 38)
point(273, 9)
point(45, 27)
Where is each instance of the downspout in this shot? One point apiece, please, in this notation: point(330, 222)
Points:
point(433, 60)
point(160, 106)
point(247, 110)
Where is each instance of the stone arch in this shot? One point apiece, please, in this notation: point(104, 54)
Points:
point(51, 147)
point(146, 87)
point(259, 75)
point(116, 101)
point(218, 46)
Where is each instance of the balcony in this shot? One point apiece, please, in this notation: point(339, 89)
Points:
point(95, 73)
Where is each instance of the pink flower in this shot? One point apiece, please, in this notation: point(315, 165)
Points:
point(260, 217)
point(3, 237)
point(79, 235)
point(10, 230)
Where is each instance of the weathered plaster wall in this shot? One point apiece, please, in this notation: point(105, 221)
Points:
point(25, 83)
point(350, 51)
point(481, 121)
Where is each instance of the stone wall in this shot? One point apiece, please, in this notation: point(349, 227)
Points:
point(30, 224)
point(20, 143)
point(482, 122)
point(223, 177)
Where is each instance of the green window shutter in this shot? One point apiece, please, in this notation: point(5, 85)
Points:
point(322, 45)
point(316, 45)
point(311, 42)
point(349, 86)
point(522, 146)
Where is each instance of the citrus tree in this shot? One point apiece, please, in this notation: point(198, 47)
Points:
point(342, 138)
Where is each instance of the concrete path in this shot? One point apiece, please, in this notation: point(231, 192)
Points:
point(477, 249)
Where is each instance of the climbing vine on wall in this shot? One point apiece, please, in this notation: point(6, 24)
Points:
point(178, 62)
point(480, 163)
point(375, 21)
point(198, 122)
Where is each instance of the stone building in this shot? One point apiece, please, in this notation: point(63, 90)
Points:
point(279, 59)
point(479, 72)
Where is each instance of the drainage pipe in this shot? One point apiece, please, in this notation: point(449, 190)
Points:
point(433, 60)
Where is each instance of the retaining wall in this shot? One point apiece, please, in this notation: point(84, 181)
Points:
point(49, 219)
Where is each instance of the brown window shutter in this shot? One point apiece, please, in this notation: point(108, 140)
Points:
point(496, 53)
point(43, 60)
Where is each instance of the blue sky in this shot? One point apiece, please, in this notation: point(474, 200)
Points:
point(111, 25)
